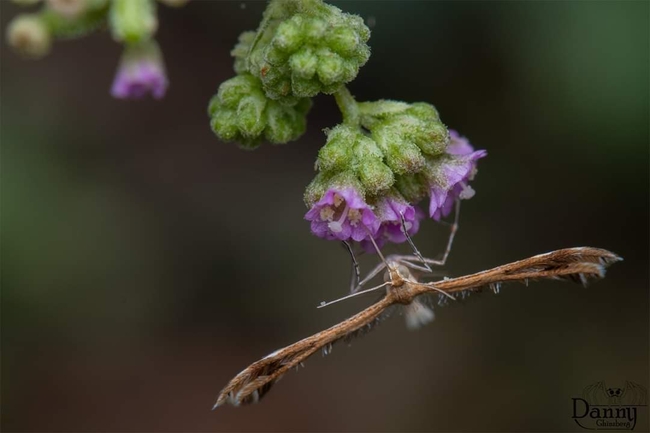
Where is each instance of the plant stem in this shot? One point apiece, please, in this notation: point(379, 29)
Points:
point(348, 106)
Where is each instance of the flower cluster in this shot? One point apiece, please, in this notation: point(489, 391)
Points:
point(241, 112)
point(301, 48)
point(375, 168)
point(308, 47)
point(371, 181)
point(132, 23)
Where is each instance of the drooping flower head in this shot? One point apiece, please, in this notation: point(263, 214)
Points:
point(342, 214)
point(141, 71)
point(451, 174)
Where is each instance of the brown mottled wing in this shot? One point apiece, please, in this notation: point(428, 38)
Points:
point(254, 381)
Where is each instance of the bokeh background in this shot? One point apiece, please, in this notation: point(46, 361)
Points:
point(145, 263)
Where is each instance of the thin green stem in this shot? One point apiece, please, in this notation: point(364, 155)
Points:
point(348, 106)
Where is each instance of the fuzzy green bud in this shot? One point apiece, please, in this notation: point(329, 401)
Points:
point(289, 35)
point(29, 35)
point(344, 41)
point(133, 21)
point(316, 188)
point(374, 111)
point(240, 52)
point(427, 131)
point(241, 112)
point(367, 149)
point(303, 63)
point(375, 176)
point(337, 152)
point(402, 155)
point(286, 123)
point(402, 126)
point(414, 187)
point(348, 150)
point(307, 47)
point(250, 119)
point(330, 67)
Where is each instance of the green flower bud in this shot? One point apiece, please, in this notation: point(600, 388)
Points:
point(133, 21)
point(432, 138)
point(314, 30)
point(330, 67)
point(424, 111)
point(289, 35)
point(375, 176)
point(366, 149)
point(285, 123)
point(402, 155)
point(375, 111)
point(314, 47)
point(348, 150)
point(233, 90)
point(240, 52)
point(316, 188)
point(303, 64)
point(414, 187)
point(417, 123)
point(305, 88)
point(240, 111)
point(344, 41)
point(224, 123)
point(336, 154)
point(427, 131)
point(250, 119)
point(29, 35)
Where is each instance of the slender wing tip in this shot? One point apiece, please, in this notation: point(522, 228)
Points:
point(224, 397)
point(220, 402)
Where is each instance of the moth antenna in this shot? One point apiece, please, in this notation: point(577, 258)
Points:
point(355, 268)
point(352, 295)
point(410, 241)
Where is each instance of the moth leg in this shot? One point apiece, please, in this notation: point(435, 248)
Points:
point(355, 279)
point(413, 247)
point(450, 241)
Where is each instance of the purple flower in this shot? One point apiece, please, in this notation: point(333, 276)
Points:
point(390, 210)
point(458, 145)
point(141, 71)
point(342, 214)
point(452, 176)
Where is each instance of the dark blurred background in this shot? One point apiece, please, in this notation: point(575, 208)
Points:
point(145, 263)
